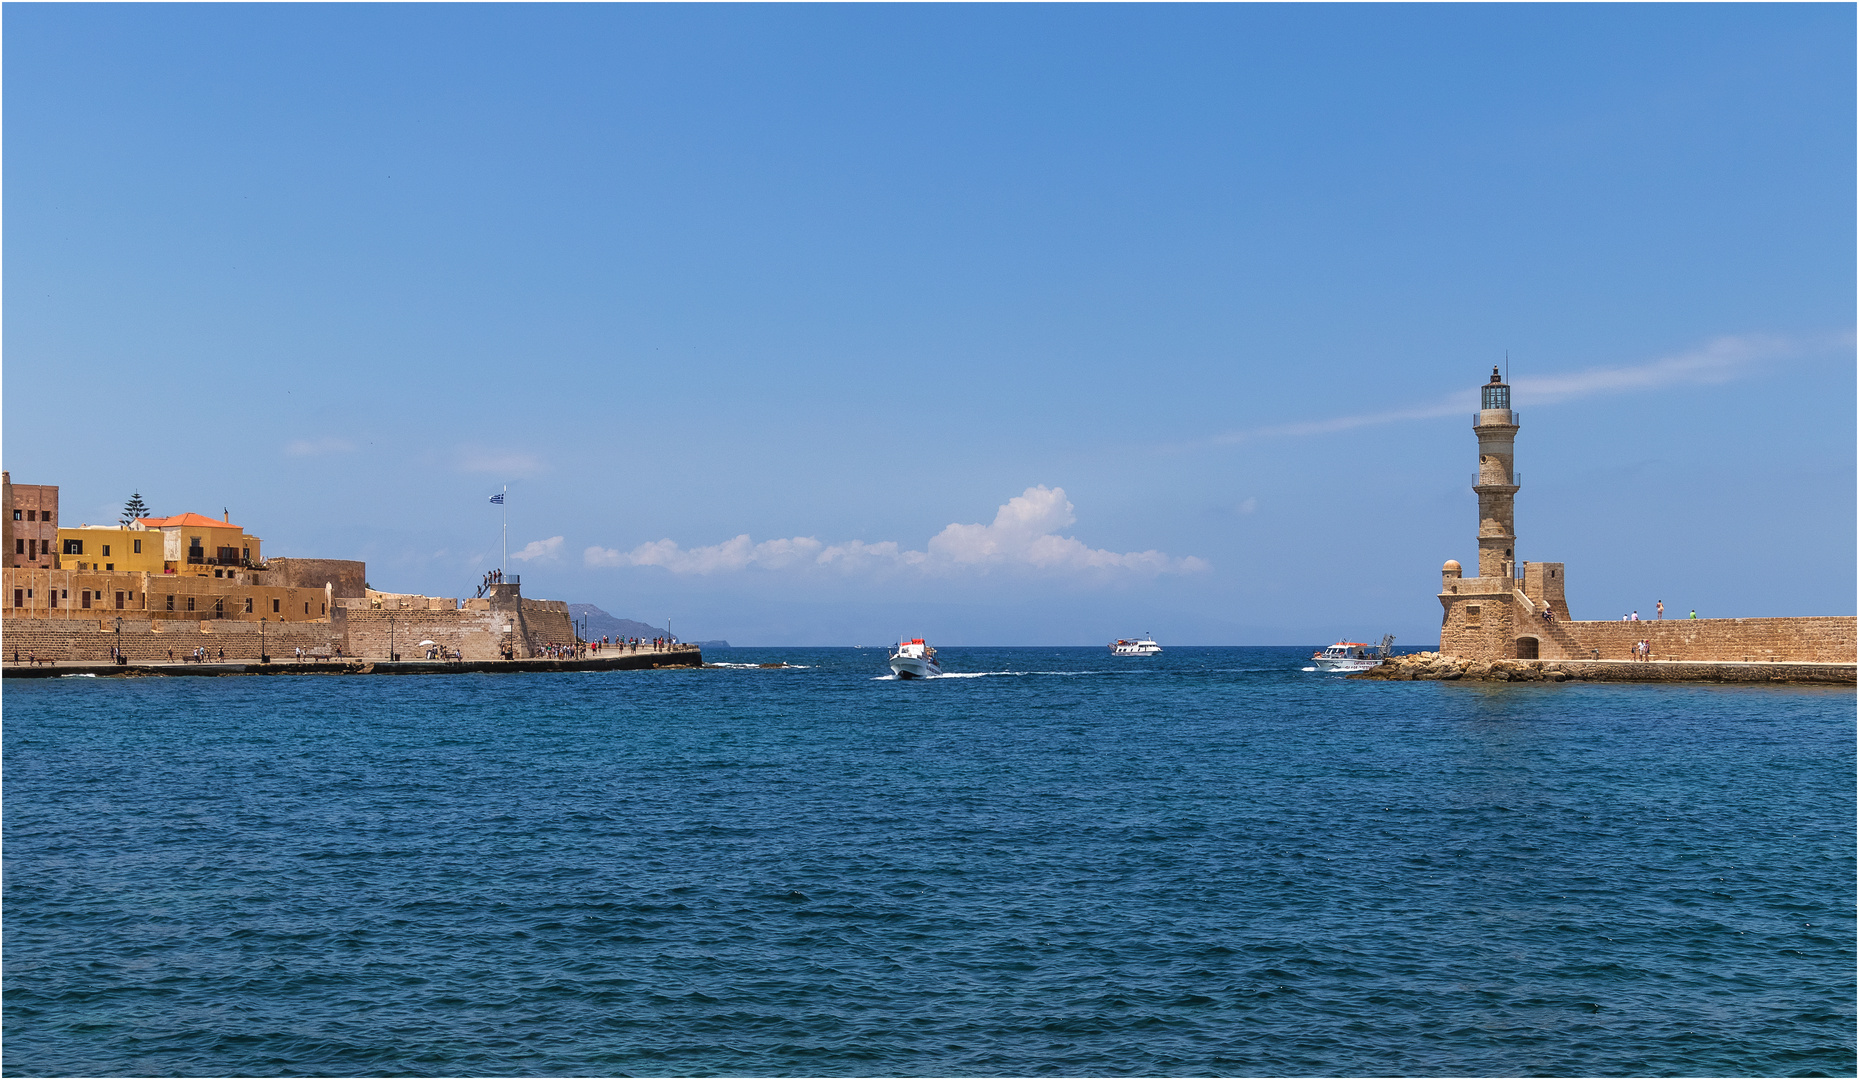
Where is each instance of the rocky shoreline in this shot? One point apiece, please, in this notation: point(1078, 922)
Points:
point(1432, 666)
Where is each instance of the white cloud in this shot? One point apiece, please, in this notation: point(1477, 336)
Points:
point(1024, 535)
point(1718, 361)
point(540, 549)
point(318, 447)
point(1247, 507)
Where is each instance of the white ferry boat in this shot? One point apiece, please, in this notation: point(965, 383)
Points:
point(915, 660)
point(1134, 647)
point(1353, 655)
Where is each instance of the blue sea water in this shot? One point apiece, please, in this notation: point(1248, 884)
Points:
point(1205, 863)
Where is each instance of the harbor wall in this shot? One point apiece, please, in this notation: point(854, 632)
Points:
point(150, 641)
point(478, 635)
point(1832, 639)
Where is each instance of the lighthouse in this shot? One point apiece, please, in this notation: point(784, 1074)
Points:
point(1507, 608)
point(1496, 428)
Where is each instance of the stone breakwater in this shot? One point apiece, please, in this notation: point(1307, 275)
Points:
point(1439, 666)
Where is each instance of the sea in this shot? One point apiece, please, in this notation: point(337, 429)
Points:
point(1214, 862)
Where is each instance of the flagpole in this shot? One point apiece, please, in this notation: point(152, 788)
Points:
point(505, 512)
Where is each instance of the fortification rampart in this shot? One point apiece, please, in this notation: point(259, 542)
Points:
point(159, 640)
point(478, 635)
point(1832, 639)
point(346, 578)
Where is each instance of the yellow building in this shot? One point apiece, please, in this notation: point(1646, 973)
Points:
point(110, 548)
point(198, 545)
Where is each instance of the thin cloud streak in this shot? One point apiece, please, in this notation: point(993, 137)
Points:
point(1719, 361)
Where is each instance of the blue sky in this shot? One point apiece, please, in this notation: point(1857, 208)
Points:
point(992, 324)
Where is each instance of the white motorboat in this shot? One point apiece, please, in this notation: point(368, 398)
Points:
point(915, 660)
point(1353, 655)
point(1134, 647)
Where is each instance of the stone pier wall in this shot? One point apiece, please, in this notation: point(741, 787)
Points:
point(478, 634)
point(151, 641)
point(1830, 639)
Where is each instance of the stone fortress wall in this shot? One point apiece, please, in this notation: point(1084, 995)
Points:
point(152, 641)
point(480, 628)
point(361, 626)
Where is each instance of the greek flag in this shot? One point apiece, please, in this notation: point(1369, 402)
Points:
point(498, 498)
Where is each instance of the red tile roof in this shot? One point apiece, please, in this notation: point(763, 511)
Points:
point(187, 521)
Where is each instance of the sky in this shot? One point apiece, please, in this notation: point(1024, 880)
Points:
point(996, 325)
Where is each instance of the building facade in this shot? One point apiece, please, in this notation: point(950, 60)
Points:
point(110, 548)
point(30, 515)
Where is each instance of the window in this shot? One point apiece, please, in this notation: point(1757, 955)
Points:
point(32, 549)
point(248, 605)
point(1472, 612)
point(19, 595)
point(32, 515)
point(325, 608)
point(219, 608)
point(274, 607)
point(170, 601)
point(306, 607)
point(190, 603)
point(45, 515)
point(52, 598)
point(106, 551)
point(15, 515)
point(109, 566)
point(119, 599)
point(85, 598)
point(138, 544)
point(74, 547)
point(19, 547)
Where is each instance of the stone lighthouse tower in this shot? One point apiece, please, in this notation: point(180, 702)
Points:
point(1504, 609)
point(1496, 428)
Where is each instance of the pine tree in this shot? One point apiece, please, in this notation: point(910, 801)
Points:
point(133, 509)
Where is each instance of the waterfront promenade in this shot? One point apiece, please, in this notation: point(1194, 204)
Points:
point(611, 658)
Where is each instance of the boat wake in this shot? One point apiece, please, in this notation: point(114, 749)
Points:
point(985, 675)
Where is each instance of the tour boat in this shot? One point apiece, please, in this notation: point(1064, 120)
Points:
point(1134, 647)
point(915, 660)
point(1353, 655)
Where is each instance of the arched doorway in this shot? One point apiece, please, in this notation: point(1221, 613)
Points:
point(1526, 648)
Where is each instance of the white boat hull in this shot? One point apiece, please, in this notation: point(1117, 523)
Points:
point(1346, 664)
point(912, 667)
